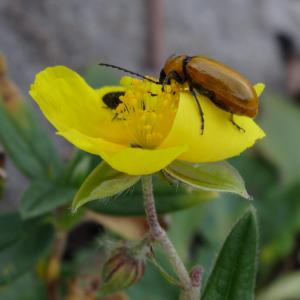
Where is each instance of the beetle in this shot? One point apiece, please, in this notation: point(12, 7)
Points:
point(225, 87)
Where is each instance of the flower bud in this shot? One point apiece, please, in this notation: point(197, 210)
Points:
point(124, 268)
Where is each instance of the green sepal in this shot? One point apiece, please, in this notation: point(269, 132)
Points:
point(216, 177)
point(233, 275)
point(168, 198)
point(103, 182)
point(169, 278)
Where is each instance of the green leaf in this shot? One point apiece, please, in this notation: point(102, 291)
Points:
point(44, 196)
point(233, 276)
point(281, 120)
point(215, 222)
point(102, 183)
point(21, 254)
point(164, 274)
point(10, 228)
point(32, 289)
point(260, 175)
point(286, 287)
point(40, 140)
point(278, 238)
point(218, 177)
point(27, 143)
point(167, 198)
point(79, 167)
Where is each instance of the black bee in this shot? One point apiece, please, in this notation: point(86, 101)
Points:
point(112, 99)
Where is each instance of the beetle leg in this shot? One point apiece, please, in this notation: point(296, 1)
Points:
point(235, 124)
point(166, 81)
point(192, 90)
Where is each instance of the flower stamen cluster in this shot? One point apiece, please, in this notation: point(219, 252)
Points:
point(148, 111)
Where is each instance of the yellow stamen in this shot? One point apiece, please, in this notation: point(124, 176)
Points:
point(147, 111)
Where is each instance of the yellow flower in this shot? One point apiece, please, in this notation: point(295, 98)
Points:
point(148, 130)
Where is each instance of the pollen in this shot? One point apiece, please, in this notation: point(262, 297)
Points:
point(148, 111)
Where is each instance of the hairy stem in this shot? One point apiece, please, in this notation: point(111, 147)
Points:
point(190, 290)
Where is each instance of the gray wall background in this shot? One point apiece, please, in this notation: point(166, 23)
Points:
point(38, 33)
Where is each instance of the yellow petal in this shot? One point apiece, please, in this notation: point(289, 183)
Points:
point(137, 161)
point(259, 88)
point(133, 161)
point(94, 145)
point(69, 102)
point(221, 139)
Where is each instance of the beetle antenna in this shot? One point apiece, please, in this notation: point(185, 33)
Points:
point(128, 71)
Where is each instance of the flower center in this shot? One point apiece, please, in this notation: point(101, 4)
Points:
point(147, 111)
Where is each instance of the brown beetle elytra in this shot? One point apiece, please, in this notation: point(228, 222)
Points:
point(225, 87)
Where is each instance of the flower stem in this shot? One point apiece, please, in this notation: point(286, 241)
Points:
point(191, 290)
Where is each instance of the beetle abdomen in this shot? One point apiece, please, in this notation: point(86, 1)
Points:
point(231, 91)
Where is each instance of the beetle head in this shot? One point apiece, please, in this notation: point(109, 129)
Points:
point(174, 64)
